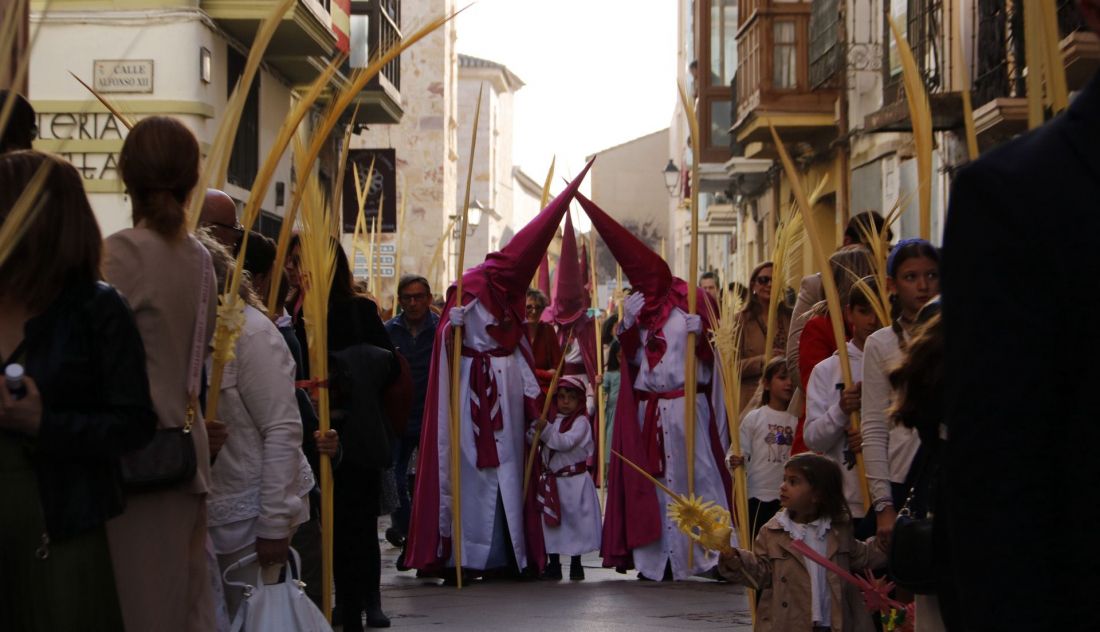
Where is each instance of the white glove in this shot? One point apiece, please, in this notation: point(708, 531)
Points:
point(632, 306)
point(694, 323)
point(458, 316)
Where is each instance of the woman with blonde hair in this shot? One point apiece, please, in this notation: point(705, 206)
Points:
point(158, 545)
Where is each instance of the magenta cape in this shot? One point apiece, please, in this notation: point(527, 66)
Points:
point(632, 516)
point(500, 284)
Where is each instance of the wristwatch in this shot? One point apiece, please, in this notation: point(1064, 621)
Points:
point(881, 504)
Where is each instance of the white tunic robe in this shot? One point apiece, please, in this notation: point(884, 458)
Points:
point(481, 487)
point(667, 376)
point(581, 525)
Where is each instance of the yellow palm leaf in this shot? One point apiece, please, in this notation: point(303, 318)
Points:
point(920, 113)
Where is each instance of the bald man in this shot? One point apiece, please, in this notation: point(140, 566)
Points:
point(219, 216)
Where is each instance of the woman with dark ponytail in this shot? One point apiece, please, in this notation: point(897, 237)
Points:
point(158, 544)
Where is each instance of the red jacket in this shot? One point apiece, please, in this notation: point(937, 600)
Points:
point(816, 344)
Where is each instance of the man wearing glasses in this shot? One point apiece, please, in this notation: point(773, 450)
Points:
point(219, 216)
point(412, 333)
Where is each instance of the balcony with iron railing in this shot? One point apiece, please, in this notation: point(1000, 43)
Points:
point(924, 29)
point(375, 28)
point(1000, 85)
point(773, 81)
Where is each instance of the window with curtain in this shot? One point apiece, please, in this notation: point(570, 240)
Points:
point(785, 55)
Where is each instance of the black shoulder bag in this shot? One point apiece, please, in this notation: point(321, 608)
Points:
point(169, 459)
point(912, 557)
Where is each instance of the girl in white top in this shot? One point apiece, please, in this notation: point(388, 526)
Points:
point(888, 447)
point(766, 437)
point(571, 523)
point(829, 405)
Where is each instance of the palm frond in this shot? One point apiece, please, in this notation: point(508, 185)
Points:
point(690, 385)
point(217, 159)
point(232, 118)
point(107, 103)
point(832, 296)
point(318, 265)
point(397, 235)
point(332, 116)
point(456, 360)
point(9, 29)
point(920, 114)
point(964, 75)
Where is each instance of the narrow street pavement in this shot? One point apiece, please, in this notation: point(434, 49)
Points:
point(605, 601)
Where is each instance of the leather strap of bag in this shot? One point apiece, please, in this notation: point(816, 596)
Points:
point(922, 463)
point(198, 342)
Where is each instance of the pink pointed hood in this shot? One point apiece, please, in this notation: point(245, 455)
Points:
point(647, 271)
point(570, 299)
point(501, 281)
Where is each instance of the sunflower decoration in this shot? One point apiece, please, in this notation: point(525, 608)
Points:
point(704, 522)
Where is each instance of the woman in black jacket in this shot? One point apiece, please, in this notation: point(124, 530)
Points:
point(87, 402)
point(362, 365)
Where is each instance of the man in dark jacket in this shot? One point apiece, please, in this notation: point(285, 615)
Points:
point(413, 334)
point(1019, 490)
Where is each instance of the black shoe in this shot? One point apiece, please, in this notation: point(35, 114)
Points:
point(576, 571)
point(552, 572)
point(350, 622)
point(394, 537)
point(400, 563)
point(376, 618)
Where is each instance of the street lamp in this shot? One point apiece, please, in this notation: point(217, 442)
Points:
point(473, 218)
point(672, 178)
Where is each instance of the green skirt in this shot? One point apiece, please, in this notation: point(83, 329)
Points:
point(67, 585)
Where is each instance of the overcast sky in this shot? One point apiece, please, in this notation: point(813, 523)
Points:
point(597, 72)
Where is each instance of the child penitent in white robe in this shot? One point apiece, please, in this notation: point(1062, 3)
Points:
point(571, 521)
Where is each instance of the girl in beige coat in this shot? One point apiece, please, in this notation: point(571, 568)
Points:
point(798, 594)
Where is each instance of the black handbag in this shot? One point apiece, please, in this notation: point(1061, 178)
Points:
point(912, 555)
point(169, 459)
point(166, 461)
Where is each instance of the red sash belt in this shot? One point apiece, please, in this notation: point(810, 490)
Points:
point(652, 429)
point(548, 492)
point(574, 368)
point(485, 404)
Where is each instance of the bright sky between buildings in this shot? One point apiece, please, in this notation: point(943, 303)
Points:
point(598, 73)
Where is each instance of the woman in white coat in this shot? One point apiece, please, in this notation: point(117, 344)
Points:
point(260, 480)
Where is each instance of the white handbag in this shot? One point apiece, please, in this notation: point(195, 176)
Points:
point(282, 607)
